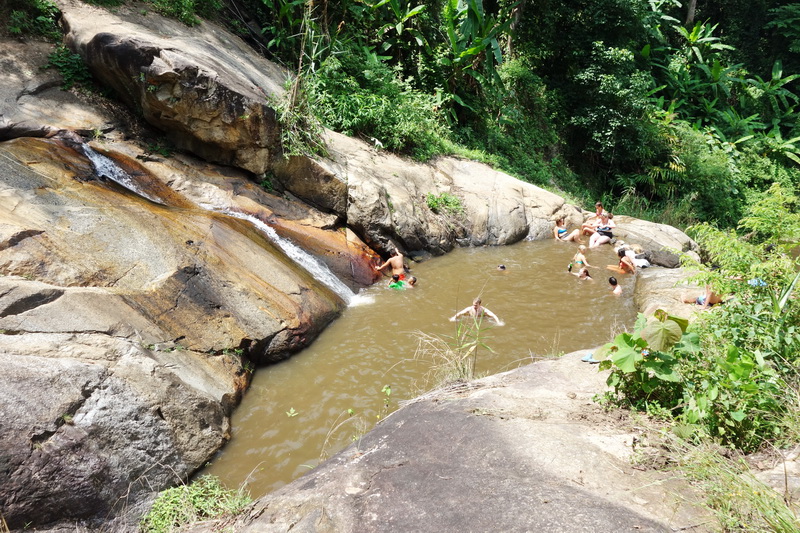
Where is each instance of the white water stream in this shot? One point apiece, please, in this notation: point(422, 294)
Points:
point(311, 264)
point(105, 167)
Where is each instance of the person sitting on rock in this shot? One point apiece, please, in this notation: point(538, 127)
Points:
point(603, 231)
point(625, 265)
point(588, 226)
point(476, 310)
point(560, 232)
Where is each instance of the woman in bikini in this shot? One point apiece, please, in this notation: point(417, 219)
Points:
point(579, 258)
point(560, 232)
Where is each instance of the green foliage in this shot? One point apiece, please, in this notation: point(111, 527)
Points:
point(301, 132)
point(71, 67)
point(183, 505)
point(644, 367)
point(187, 11)
point(357, 94)
point(727, 376)
point(444, 204)
point(33, 17)
point(785, 20)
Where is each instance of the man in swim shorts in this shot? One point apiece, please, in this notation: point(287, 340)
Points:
point(397, 263)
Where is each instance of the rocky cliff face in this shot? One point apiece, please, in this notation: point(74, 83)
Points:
point(129, 322)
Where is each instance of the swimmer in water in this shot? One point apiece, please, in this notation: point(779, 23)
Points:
point(616, 288)
point(476, 310)
point(583, 274)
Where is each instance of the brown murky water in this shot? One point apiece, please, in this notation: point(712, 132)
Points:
point(289, 417)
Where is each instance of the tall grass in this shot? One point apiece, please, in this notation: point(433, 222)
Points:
point(738, 500)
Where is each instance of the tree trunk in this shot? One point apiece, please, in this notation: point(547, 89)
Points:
point(690, 13)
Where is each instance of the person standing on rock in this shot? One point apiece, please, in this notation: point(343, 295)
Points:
point(476, 310)
point(396, 261)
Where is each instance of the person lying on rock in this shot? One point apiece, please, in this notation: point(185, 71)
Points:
point(705, 299)
point(476, 310)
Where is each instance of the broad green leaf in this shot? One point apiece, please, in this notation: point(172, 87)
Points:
point(690, 342)
point(661, 370)
point(738, 415)
point(626, 358)
point(662, 336)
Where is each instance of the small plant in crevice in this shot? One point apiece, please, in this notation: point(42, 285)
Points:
point(202, 499)
point(444, 204)
point(162, 148)
point(73, 70)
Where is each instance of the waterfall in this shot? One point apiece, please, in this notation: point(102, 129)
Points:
point(105, 167)
point(315, 267)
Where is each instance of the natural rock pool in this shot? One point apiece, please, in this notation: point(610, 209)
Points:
point(297, 412)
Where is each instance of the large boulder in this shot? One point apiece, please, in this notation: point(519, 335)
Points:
point(526, 450)
point(124, 322)
point(661, 243)
point(203, 87)
point(383, 197)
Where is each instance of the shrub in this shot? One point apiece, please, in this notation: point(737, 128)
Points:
point(728, 374)
point(356, 94)
point(33, 17)
point(71, 67)
point(444, 204)
point(202, 499)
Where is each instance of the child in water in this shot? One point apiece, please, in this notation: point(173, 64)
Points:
point(616, 289)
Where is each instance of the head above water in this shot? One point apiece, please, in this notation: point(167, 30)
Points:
point(412, 280)
point(501, 267)
point(582, 248)
point(613, 281)
point(395, 277)
point(476, 302)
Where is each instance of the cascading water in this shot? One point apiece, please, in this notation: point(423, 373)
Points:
point(316, 268)
point(105, 167)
